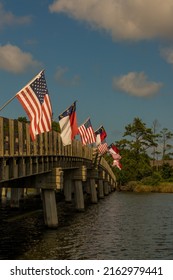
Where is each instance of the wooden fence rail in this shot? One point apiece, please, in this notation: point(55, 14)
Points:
point(17, 147)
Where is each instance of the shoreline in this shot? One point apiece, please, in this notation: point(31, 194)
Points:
point(163, 187)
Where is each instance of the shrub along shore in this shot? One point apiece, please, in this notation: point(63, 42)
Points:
point(135, 186)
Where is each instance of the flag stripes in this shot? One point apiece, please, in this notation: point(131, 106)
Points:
point(36, 102)
point(103, 148)
point(87, 133)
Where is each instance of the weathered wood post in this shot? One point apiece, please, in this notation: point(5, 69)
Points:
point(49, 208)
point(101, 177)
point(48, 184)
point(15, 198)
point(108, 180)
point(100, 189)
point(92, 176)
point(106, 187)
point(79, 197)
point(22, 193)
point(93, 191)
point(105, 184)
point(68, 186)
point(79, 175)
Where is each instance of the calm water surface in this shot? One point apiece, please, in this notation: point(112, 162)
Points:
point(120, 226)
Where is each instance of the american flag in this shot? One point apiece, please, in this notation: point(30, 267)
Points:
point(35, 100)
point(103, 148)
point(87, 133)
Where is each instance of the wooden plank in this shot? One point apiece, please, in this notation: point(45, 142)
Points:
point(46, 143)
point(11, 137)
point(40, 141)
point(50, 143)
point(1, 137)
point(59, 145)
point(20, 137)
point(35, 146)
point(28, 140)
point(54, 143)
point(16, 138)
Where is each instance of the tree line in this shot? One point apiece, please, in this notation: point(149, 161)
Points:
point(141, 148)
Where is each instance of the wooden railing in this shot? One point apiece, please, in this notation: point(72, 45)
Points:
point(15, 142)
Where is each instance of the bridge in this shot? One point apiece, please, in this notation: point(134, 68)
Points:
point(48, 166)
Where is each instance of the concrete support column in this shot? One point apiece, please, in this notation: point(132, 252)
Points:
point(93, 191)
point(68, 188)
point(49, 208)
point(100, 189)
point(106, 188)
point(79, 197)
point(15, 197)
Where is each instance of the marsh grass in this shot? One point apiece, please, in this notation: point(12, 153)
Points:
point(163, 187)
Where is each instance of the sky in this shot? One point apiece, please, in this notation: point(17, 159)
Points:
point(114, 57)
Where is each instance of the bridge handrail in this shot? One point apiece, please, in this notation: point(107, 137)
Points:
point(15, 141)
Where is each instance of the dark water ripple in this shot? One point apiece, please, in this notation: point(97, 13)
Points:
point(120, 226)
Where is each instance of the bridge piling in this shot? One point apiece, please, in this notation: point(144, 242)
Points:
point(79, 175)
point(100, 189)
point(79, 197)
point(106, 188)
point(49, 208)
point(15, 197)
point(93, 193)
point(92, 176)
point(68, 188)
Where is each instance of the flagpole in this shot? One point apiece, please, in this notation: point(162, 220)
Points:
point(85, 121)
point(7, 102)
point(11, 99)
point(64, 110)
point(99, 127)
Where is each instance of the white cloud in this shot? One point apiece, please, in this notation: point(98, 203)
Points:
point(13, 59)
point(7, 18)
point(167, 54)
point(123, 20)
point(62, 80)
point(136, 84)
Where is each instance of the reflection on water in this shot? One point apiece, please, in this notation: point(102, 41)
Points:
point(120, 226)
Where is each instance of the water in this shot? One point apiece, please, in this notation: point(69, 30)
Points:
point(120, 226)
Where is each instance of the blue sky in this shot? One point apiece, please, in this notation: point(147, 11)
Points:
point(114, 57)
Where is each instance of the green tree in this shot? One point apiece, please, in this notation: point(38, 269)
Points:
point(165, 137)
point(135, 160)
point(166, 171)
point(142, 137)
point(155, 153)
point(55, 126)
point(22, 119)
